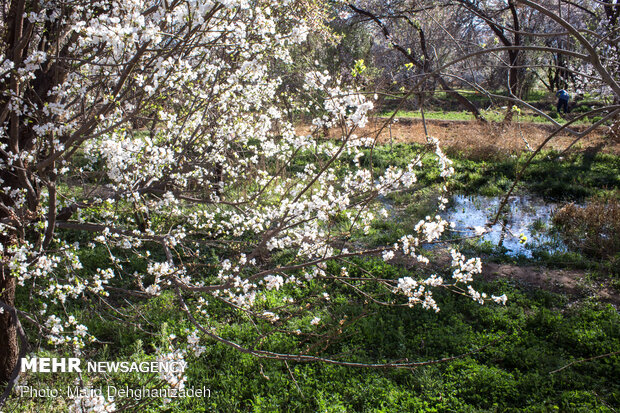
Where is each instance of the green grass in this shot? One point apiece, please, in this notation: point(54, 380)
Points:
point(490, 115)
point(573, 177)
point(533, 96)
point(443, 104)
point(515, 374)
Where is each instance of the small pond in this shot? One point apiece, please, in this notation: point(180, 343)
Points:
point(527, 215)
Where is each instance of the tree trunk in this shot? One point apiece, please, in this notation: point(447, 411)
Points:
point(9, 350)
point(423, 65)
point(461, 99)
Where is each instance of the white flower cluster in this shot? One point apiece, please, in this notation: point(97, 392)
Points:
point(445, 164)
point(432, 229)
point(274, 282)
point(475, 295)
point(387, 255)
point(193, 344)
point(350, 106)
point(271, 316)
point(31, 63)
point(74, 337)
point(129, 160)
point(92, 402)
point(316, 80)
point(417, 293)
point(176, 379)
point(465, 268)
point(101, 278)
point(500, 299)
point(217, 164)
point(161, 272)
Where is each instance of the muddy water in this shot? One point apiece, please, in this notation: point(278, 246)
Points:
point(523, 216)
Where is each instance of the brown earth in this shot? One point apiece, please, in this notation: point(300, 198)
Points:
point(570, 282)
point(483, 139)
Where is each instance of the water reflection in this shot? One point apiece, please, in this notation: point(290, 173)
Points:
point(526, 216)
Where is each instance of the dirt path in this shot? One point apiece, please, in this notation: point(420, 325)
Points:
point(482, 139)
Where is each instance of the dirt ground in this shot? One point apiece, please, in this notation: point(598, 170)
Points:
point(483, 138)
point(571, 282)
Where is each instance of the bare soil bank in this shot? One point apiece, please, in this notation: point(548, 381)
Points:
point(482, 138)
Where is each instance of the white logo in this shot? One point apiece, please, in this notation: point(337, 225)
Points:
point(72, 365)
point(51, 365)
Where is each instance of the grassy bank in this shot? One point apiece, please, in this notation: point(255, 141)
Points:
point(575, 176)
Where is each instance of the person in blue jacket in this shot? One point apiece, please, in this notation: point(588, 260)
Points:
point(563, 97)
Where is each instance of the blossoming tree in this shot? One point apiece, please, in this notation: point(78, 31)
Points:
point(156, 131)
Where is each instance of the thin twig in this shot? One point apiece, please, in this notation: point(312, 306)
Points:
point(304, 358)
point(293, 377)
point(584, 360)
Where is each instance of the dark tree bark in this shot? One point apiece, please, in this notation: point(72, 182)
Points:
point(20, 137)
point(9, 349)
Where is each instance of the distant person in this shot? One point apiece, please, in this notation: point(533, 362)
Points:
point(563, 97)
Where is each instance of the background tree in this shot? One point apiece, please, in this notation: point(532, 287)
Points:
point(506, 44)
point(406, 34)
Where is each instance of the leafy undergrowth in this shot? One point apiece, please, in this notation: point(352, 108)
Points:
point(535, 334)
point(529, 340)
point(574, 177)
point(540, 334)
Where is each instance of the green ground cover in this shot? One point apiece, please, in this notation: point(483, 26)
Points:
point(535, 334)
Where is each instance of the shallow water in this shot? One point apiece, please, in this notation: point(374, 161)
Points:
point(523, 215)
